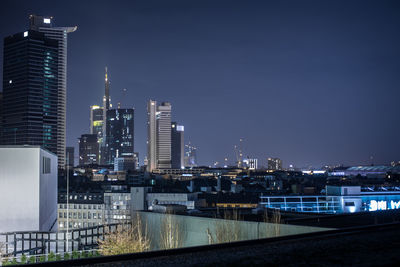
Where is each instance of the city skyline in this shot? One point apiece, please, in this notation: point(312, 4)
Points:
point(308, 99)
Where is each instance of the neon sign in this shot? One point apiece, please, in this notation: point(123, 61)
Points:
point(383, 205)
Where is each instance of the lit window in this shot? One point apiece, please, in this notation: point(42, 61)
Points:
point(47, 21)
point(25, 34)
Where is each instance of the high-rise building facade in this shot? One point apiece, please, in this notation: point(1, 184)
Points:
point(96, 121)
point(96, 126)
point(177, 146)
point(46, 26)
point(70, 156)
point(190, 159)
point(151, 136)
point(159, 136)
point(250, 163)
point(30, 88)
point(119, 134)
point(88, 149)
point(274, 164)
point(104, 157)
point(34, 86)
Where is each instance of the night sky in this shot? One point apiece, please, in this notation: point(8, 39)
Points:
point(311, 82)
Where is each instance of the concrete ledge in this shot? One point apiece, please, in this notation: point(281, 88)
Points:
point(362, 246)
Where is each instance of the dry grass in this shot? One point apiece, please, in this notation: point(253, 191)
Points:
point(226, 230)
point(126, 239)
point(172, 232)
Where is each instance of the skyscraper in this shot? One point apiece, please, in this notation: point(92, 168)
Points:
point(151, 136)
point(274, 164)
point(30, 88)
point(177, 146)
point(34, 86)
point(69, 156)
point(159, 136)
point(96, 121)
point(106, 106)
point(190, 155)
point(88, 149)
point(46, 26)
point(119, 134)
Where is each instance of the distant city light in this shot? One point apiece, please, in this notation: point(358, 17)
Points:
point(26, 34)
point(10, 81)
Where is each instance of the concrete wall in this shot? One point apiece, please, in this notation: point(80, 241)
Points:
point(343, 190)
point(198, 230)
point(48, 193)
point(28, 197)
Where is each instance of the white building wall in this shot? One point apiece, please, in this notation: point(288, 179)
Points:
point(48, 193)
point(28, 198)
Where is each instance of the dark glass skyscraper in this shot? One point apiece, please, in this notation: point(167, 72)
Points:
point(119, 134)
point(177, 146)
point(30, 88)
point(88, 149)
point(34, 86)
point(70, 156)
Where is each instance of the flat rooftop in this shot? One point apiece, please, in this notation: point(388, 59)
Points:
point(359, 246)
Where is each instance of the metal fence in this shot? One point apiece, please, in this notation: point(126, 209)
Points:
point(35, 243)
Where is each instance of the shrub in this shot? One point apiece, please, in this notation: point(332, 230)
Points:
point(14, 262)
point(75, 254)
point(32, 259)
point(42, 258)
point(66, 256)
point(51, 256)
point(23, 259)
point(58, 257)
point(126, 239)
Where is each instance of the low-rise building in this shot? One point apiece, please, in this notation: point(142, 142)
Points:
point(83, 210)
point(28, 189)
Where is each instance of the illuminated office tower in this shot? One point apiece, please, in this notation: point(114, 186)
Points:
point(274, 164)
point(34, 87)
point(30, 90)
point(250, 163)
point(96, 121)
point(88, 149)
point(119, 134)
point(158, 136)
point(190, 159)
point(177, 146)
point(46, 26)
point(151, 136)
